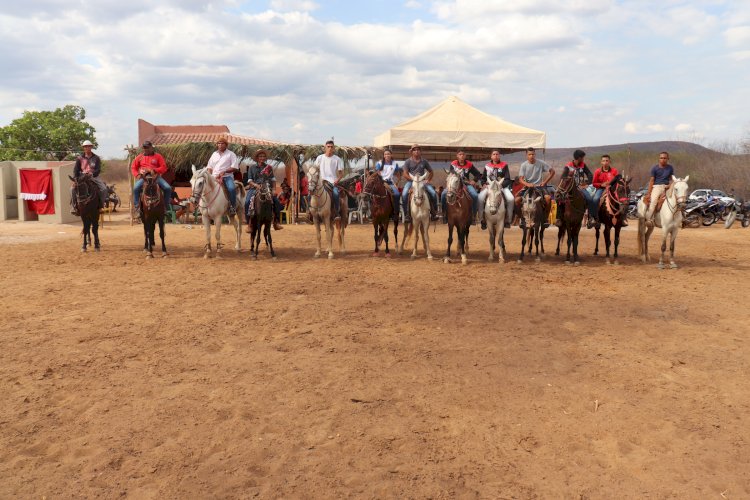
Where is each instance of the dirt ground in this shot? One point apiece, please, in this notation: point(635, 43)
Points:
point(370, 377)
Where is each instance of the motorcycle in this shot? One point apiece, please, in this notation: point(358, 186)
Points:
point(693, 215)
point(739, 211)
point(113, 200)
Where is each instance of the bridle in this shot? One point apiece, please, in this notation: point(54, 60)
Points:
point(372, 183)
point(615, 202)
point(680, 201)
point(200, 195)
point(151, 191)
point(494, 196)
point(84, 191)
point(454, 195)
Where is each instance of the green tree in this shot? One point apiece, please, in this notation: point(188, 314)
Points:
point(46, 135)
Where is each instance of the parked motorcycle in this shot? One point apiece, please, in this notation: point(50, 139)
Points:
point(693, 214)
point(740, 211)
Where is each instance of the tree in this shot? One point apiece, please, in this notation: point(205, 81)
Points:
point(46, 135)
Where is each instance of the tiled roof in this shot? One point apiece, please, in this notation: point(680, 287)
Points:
point(183, 138)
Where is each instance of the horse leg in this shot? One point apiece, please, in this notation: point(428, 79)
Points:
point(95, 226)
point(218, 236)
point(665, 233)
point(395, 235)
point(596, 248)
point(376, 229)
point(607, 239)
point(576, 261)
point(207, 227)
point(425, 230)
point(329, 237)
point(317, 234)
point(536, 242)
point(491, 227)
point(161, 237)
point(463, 236)
point(541, 237)
point(523, 245)
point(447, 257)
point(257, 232)
point(617, 243)
point(645, 243)
point(385, 234)
point(673, 233)
point(238, 230)
point(269, 238)
point(341, 230)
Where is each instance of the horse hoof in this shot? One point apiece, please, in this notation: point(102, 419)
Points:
point(83, 250)
point(464, 261)
point(255, 257)
point(567, 262)
point(607, 262)
point(520, 261)
point(387, 256)
point(149, 256)
point(330, 256)
point(660, 265)
point(206, 256)
point(164, 255)
point(616, 262)
point(576, 263)
point(375, 254)
point(501, 261)
point(429, 257)
point(538, 259)
point(274, 258)
point(446, 260)
point(673, 266)
point(413, 256)
point(316, 256)
point(490, 258)
point(97, 249)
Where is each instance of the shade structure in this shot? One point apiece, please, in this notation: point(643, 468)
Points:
point(453, 124)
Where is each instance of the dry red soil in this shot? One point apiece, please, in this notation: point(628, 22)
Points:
point(370, 377)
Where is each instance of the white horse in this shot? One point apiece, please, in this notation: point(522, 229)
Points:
point(214, 204)
point(321, 210)
point(494, 214)
point(669, 219)
point(419, 206)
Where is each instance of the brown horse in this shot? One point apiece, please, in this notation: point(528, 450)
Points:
point(88, 204)
point(153, 209)
point(459, 216)
point(382, 210)
point(262, 219)
point(613, 212)
point(534, 215)
point(569, 195)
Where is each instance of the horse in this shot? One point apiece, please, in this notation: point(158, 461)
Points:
point(459, 211)
point(321, 210)
point(572, 217)
point(668, 218)
point(262, 219)
point(153, 210)
point(209, 195)
point(494, 215)
point(613, 211)
point(534, 215)
point(382, 210)
point(88, 203)
point(419, 206)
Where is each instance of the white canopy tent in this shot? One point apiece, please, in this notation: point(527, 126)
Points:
point(453, 124)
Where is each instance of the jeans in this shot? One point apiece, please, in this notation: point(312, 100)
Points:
point(138, 187)
point(396, 196)
point(248, 197)
point(474, 199)
point(595, 202)
point(589, 202)
point(509, 203)
point(229, 183)
point(405, 197)
point(336, 202)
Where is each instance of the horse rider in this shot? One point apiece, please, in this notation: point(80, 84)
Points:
point(582, 178)
point(256, 175)
point(660, 182)
point(534, 174)
point(88, 163)
point(388, 170)
point(496, 170)
point(415, 166)
point(149, 161)
point(470, 177)
point(604, 177)
point(331, 170)
point(222, 165)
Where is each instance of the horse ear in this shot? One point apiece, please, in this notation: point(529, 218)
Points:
point(193, 168)
point(537, 198)
point(71, 178)
point(686, 178)
point(424, 176)
point(674, 179)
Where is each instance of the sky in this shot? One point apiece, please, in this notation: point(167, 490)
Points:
point(587, 72)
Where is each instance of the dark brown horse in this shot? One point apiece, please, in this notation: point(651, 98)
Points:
point(88, 202)
point(569, 196)
point(459, 216)
point(382, 210)
point(153, 210)
point(613, 212)
point(262, 219)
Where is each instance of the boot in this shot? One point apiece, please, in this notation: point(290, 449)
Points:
point(276, 225)
point(74, 211)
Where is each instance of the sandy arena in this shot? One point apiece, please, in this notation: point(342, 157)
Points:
point(370, 378)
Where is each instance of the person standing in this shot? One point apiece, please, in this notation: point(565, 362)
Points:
point(388, 170)
point(222, 165)
point(534, 174)
point(660, 182)
point(416, 166)
point(304, 191)
point(89, 163)
point(496, 170)
point(331, 170)
point(470, 176)
point(149, 161)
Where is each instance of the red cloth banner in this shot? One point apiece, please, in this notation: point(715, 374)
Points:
point(36, 189)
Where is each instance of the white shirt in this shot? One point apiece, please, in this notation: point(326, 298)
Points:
point(387, 171)
point(220, 164)
point(329, 166)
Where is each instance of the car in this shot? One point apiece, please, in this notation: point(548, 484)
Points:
point(700, 195)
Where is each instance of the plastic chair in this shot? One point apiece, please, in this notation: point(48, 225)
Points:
point(285, 216)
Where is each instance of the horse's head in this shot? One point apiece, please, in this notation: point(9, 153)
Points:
point(373, 181)
point(494, 196)
point(313, 178)
point(198, 183)
point(264, 192)
point(418, 188)
point(453, 186)
point(565, 187)
point(530, 204)
point(680, 187)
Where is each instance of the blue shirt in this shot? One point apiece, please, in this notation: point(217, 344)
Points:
point(662, 175)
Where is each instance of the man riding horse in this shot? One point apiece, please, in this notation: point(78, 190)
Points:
point(88, 163)
point(582, 177)
point(222, 165)
point(149, 161)
point(604, 177)
point(331, 170)
point(534, 174)
point(388, 170)
point(496, 170)
point(416, 166)
point(256, 175)
point(658, 184)
point(470, 177)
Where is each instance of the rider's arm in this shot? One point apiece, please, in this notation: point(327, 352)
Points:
point(77, 168)
point(549, 177)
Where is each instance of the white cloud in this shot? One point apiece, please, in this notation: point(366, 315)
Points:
point(413, 4)
point(294, 5)
point(683, 127)
point(640, 128)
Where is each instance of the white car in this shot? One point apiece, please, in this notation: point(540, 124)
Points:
point(700, 194)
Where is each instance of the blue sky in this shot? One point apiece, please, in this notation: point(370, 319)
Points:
point(588, 72)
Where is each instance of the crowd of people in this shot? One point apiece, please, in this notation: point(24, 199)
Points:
point(533, 174)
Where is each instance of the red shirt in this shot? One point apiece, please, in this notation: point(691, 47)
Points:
point(155, 162)
point(358, 187)
point(600, 176)
point(304, 186)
